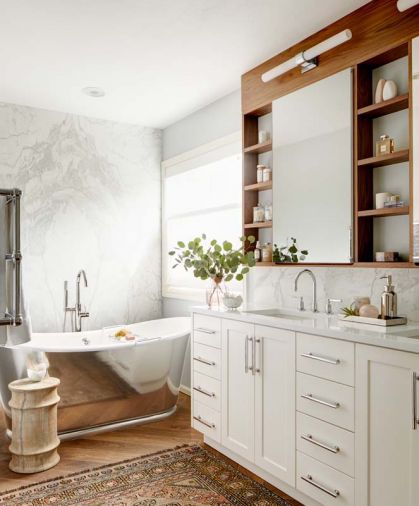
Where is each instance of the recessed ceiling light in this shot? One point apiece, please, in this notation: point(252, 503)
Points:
point(93, 91)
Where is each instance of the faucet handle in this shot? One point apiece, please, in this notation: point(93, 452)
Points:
point(329, 308)
point(301, 304)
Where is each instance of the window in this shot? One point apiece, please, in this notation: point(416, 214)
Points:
point(201, 194)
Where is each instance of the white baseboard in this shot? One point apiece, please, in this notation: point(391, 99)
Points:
point(185, 390)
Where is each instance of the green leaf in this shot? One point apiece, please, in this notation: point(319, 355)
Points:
point(181, 244)
point(229, 278)
point(239, 277)
point(213, 242)
point(251, 239)
point(171, 253)
point(227, 246)
point(204, 236)
point(245, 270)
point(304, 252)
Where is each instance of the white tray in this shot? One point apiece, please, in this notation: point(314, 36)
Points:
point(400, 320)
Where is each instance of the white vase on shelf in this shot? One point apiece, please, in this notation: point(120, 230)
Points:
point(379, 91)
point(389, 90)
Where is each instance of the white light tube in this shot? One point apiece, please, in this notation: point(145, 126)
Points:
point(313, 52)
point(403, 5)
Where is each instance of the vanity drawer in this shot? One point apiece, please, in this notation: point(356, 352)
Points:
point(207, 421)
point(207, 391)
point(207, 360)
point(326, 358)
point(329, 401)
point(329, 444)
point(207, 330)
point(324, 484)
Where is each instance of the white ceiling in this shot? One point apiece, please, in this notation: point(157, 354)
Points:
point(157, 60)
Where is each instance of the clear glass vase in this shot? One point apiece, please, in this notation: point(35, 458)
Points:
point(215, 292)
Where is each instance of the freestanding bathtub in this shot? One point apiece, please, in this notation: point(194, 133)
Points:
point(106, 384)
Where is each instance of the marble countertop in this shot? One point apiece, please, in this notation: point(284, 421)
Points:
point(403, 337)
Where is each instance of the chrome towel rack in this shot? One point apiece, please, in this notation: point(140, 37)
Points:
point(13, 311)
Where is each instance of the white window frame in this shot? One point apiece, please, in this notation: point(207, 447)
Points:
point(204, 154)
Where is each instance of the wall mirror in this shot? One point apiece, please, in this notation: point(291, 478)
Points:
point(312, 157)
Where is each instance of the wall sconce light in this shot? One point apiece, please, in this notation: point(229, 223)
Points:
point(307, 60)
point(403, 5)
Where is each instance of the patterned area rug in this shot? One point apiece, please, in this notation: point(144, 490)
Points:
point(187, 476)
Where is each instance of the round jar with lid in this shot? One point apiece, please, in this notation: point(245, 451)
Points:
point(267, 174)
point(258, 214)
point(267, 252)
point(259, 173)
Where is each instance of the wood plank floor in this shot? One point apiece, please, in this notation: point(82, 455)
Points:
point(111, 447)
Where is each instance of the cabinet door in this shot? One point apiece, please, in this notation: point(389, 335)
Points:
point(386, 433)
point(275, 402)
point(238, 389)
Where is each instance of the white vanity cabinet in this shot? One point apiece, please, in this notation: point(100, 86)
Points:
point(387, 443)
point(327, 420)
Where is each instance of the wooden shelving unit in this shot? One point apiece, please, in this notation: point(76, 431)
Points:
point(365, 161)
point(251, 151)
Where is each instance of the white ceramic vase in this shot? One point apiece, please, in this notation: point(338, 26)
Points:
point(389, 90)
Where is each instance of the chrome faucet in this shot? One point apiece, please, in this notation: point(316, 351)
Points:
point(77, 309)
point(313, 277)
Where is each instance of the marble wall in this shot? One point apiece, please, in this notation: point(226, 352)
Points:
point(274, 287)
point(91, 199)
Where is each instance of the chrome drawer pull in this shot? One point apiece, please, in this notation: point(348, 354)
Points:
point(309, 479)
point(201, 420)
point(204, 361)
point(334, 361)
point(309, 438)
point(205, 392)
point(310, 397)
point(205, 331)
point(415, 420)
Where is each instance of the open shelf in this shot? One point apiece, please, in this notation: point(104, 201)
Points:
point(383, 160)
point(263, 224)
point(258, 187)
point(381, 213)
point(264, 147)
point(385, 265)
point(387, 107)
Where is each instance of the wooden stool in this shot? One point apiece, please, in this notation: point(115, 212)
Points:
point(34, 425)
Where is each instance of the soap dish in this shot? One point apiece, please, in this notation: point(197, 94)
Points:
point(390, 322)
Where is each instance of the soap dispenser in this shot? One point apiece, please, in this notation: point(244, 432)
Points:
point(388, 300)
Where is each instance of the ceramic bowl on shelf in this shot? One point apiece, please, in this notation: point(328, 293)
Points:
point(232, 301)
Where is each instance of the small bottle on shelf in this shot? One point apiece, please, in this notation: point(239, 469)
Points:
point(258, 252)
point(259, 173)
point(384, 146)
point(267, 252)
point(258, 214)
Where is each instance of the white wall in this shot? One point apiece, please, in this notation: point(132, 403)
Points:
point(91, 199)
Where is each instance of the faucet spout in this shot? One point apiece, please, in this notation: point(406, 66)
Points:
point(313, 278)
point(79, 275)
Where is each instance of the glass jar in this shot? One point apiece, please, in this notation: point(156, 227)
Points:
point(268, 212)
point(259, 173)
point(384, 146)
point(258, 214)
point(267, 174)
point(267, 252)
point(258, 252)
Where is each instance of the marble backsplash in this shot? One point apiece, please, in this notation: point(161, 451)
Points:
point(91, 199)
point(274, 287)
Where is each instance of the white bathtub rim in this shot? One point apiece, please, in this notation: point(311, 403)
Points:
point(182, 328)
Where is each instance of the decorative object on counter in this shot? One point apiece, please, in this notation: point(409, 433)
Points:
point(391, 322)
point(389, 90)
point(232, 301)
point(258, 252)
point(369, 311)
point(387, 256)
point(259, 173)
point(388, 299)
point(381, 199)
point(34, 425)
point(289, 253)
point(384, 146)
point(37, 366)
point(267, 174)
point(267, 252)
point(359, 302)
point(258, 214)
point(268, 212)
point(218, 263)
point(379, 91)
point(263, 136)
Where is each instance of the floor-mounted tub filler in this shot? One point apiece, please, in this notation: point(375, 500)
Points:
point(106, 383)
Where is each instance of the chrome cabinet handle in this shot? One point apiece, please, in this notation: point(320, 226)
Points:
point(415, 419)
point(204, 361)
point(256, 341)
point(205, 331)
point(309, 479)
point(309, 438)
point(204, 422)
point(334, 361)
point(310, 397)
point(246, 355)
point(205, 392)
